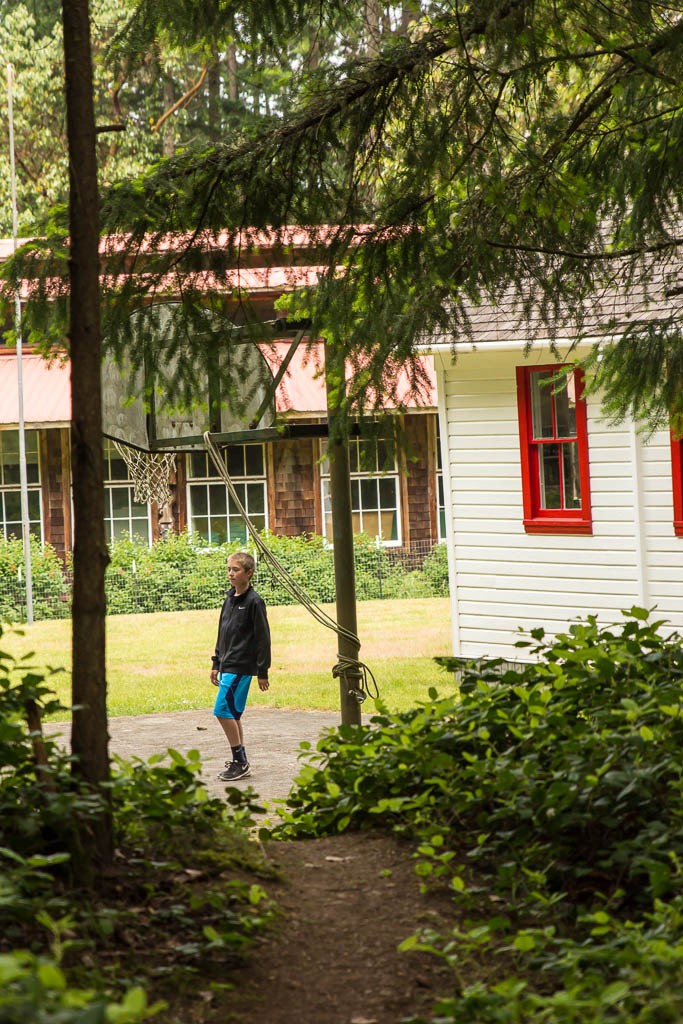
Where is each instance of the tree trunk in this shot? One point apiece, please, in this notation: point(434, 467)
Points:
point(215, 99)
point(233, 85)
point(373, 16)
point(89, 739)
point(168, 143)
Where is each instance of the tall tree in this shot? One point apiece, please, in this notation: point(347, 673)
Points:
point(89, 717)
point(502, 148)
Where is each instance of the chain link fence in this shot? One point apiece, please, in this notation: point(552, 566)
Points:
point(174, 576)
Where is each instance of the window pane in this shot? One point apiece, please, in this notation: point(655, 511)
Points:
point(218, 499)
point(549, 475)
point(197, 467)
point(354, 455)
point(118, 470)
point(236, 460)
point(240, 491)
point(371, 524)
point(389, 526)
point(541, 404)
point(120, 529)
point(120, 502)
point(368, 494)
point(254, 459)
point(200, 525)
point(387, 492)
point(256, 499)
point(199, 501)
point(219, 531)
point(367, 456)
point(238, 529)
point(572, 484)
point(259, 522)
point(11, 467)
point(385, 460)
point(327, 501)
point(34, 506)
point(32, 473)
point(565, 409)
point(139, 527)
point(355, 495)
point(13, 506)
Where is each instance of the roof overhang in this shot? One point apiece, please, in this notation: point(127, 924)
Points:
point(46, 389)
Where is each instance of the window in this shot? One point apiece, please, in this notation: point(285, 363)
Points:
point(677, 483)
point(10, 483)
point(123, 516)
point(375, 504)
point(554, 450)
point(213, 514)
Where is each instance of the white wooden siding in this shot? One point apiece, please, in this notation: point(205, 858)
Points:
point(505, 578)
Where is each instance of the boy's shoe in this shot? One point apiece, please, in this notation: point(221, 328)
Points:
point(235, 771)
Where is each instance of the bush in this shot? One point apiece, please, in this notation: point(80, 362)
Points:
point(177, 575)
point(51, 588)
point(552, 794)
point(53, 928)
point(435, 570)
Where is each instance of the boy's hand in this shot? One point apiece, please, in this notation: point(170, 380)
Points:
point(214, 676)
point(263, 684)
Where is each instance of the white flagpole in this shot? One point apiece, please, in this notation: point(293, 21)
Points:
point(23, 483)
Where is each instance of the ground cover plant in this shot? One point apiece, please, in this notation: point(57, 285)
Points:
point(183, 899)
point(160, 662)
point(549, 799)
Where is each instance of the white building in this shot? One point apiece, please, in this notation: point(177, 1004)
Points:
point(551, 513)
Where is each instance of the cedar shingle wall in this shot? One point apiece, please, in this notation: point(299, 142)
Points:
point(294, 498)
point(55, 487)
point(420, 479)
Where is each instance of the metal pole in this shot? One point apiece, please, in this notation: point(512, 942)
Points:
point(342, 538)
point(23, 482)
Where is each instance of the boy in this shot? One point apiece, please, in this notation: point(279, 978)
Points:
point(242, 651)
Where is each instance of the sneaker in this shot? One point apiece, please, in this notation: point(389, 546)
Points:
point(235, 771)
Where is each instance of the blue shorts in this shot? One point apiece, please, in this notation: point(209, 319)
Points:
point(233, 691)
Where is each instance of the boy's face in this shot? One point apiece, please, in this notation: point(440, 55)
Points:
point(239, 576)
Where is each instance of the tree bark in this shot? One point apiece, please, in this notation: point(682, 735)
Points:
point(89, 739)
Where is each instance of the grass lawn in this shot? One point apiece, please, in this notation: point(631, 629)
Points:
point(161, 662)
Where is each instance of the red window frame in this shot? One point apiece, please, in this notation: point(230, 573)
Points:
point(536, 518)
point(677, 484)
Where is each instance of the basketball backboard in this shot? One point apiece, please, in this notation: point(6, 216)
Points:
point(217, 384)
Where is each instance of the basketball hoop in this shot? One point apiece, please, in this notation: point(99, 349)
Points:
point(149, 471)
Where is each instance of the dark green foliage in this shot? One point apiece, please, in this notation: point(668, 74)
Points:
point(176, 845)
point(498, 150)
point(550, 793)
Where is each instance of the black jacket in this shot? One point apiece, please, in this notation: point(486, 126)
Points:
point(243, 643)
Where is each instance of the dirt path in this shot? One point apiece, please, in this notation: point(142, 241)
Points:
point(346, 901)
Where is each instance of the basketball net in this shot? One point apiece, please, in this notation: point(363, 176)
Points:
point(149, 471)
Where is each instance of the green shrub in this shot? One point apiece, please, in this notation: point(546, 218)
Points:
point(176, 575)
point(52, 928)
point(550, 798)
point(435, 569)
point(51, 588)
